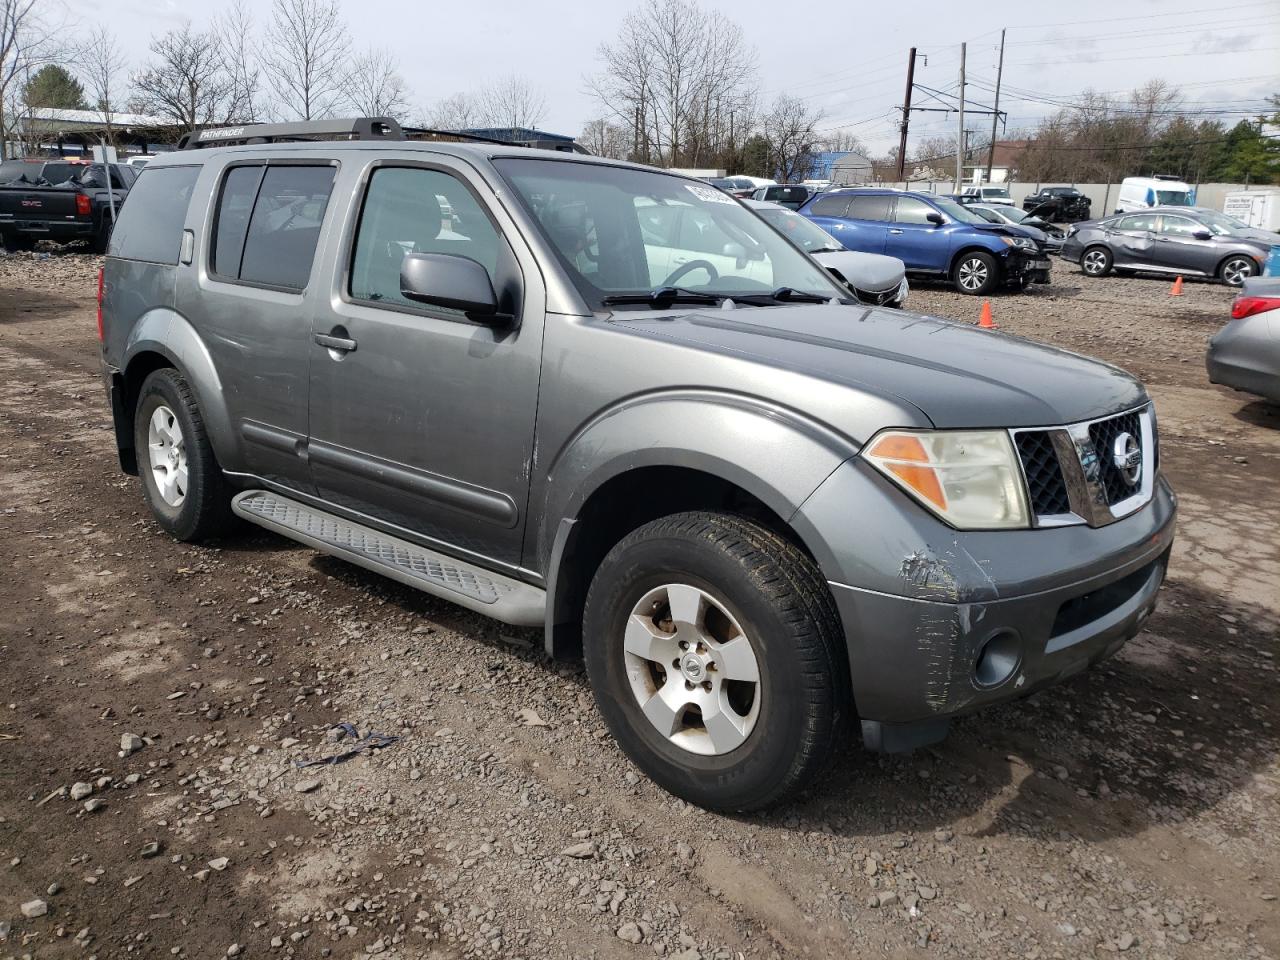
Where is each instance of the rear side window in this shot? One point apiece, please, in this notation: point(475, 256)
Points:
point(151, 222)
point(268, 224)
point(833, 206)
point(871, 207)
point(1138, 223)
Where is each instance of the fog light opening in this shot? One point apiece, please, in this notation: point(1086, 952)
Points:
point(998, 659)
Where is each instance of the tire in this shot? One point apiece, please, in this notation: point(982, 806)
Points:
point(771, 737)
point(19, 241)
point(99, 242)
point(1234, 270)
point(196, 505)
point(1095, 261)
point(976, 273)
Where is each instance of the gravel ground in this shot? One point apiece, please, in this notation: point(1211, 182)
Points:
point(153, 698)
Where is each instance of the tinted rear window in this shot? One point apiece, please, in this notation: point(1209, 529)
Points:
point(833, 206)
point(279, 244)
point(150, 224)
point(871, 207)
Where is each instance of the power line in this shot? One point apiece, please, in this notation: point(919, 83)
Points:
point(1080, 61)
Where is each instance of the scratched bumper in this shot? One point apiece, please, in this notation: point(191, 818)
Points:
point(920, 600)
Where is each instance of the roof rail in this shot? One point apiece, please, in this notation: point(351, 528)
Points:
point(452, 136)
point(352, 128)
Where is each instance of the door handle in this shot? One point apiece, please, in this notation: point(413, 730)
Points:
point(345, 344)
point(895, 231)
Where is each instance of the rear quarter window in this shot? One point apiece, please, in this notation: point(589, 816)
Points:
point(150, 223)
point(833, 206)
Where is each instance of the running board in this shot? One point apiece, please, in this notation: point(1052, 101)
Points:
point(475, 588)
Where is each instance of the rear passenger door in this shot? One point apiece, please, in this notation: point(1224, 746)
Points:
point(1132, 239)
point(255, 305)
point(425, 424)
point(863, 223)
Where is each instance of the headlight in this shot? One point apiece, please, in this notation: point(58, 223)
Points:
point(903, 289)
point(969, 478)
point(1022, 243)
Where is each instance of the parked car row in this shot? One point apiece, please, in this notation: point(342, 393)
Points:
point(61, 200)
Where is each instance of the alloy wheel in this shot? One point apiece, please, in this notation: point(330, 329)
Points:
point(168, 456)
point(1095, 261)
point(1236, 270)
point(972, 274)
point(692, 669)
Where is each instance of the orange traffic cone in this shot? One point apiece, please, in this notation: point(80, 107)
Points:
point(985, 320)
point(1177, 288)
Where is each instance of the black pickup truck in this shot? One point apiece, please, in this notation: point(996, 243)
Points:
point(60, 200)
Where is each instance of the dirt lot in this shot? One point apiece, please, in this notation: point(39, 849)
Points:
point(1133, 810)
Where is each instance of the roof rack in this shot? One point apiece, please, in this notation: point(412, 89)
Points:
point(354, 128)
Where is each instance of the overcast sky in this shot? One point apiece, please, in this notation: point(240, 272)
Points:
point(852, 65)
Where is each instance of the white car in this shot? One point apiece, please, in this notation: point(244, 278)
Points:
point(874, 279)
point(992, 193)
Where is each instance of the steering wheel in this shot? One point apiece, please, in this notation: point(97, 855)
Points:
point(689, 267)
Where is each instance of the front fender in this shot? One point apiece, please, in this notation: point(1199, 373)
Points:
point(169, 334)
point(776, 454)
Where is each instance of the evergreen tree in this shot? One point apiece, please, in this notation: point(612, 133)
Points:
point(54, 87)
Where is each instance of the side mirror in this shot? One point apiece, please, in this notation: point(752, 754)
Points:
point(448, 280)
point(1202, 234)
point(935, 218)
point(738, 252)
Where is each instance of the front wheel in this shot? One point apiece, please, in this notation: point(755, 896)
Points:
point(714, 653)
point(181, 479)
point(976, 273)
point(1236, 270)
point(1096, 262)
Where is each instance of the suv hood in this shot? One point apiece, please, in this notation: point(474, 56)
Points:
point(866, 271)
point(957, 375)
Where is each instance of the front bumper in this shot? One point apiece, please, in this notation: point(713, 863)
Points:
point(919, 602)
point(1022, 267)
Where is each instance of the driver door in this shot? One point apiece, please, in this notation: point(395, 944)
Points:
point(1178, 247)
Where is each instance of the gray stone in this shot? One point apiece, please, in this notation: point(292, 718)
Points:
point(630, 933)
point(306, 786)
point(1125, 941)
point(580, 851)
point(34, 908)
point(130, 743)
point(94, 805)
point(80, 790)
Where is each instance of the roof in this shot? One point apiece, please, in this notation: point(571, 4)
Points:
point(489, 151)
point(96, 118)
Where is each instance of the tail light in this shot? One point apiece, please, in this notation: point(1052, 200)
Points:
point(101, 335)
point(84, 206)
point(1248, 306)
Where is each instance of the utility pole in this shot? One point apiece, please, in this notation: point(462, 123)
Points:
point(960, 127)
point(995, 112)
point(906, 115)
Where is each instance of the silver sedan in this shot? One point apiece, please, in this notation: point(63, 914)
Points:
point(1245, 354)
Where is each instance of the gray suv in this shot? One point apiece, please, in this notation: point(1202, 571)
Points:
point(614, 403)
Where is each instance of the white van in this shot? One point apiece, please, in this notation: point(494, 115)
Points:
point(1143, 193)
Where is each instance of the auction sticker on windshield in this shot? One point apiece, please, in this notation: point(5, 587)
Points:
point(709, 194)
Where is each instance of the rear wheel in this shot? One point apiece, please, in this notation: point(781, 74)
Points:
point(713, 648)
point(181, 480)
point(976, 272)
point(1236, 270)
point(1096, 262)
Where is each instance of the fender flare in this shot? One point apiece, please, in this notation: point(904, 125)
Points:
point(165, 332)
point(776, 454)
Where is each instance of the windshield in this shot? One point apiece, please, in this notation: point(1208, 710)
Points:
point(802, 231)
point(1220, 223)
point(622, 231)
point(957, 212)
point(1013, 214)
point(1173, 198)
point(988, 215)
point(999, 192)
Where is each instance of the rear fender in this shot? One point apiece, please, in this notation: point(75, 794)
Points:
point(167, 333)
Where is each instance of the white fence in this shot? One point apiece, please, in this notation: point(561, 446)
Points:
point(1102, 196)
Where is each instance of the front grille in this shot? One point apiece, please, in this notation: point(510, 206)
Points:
point(877, 298)
point(1046, 486)
point(1103, 434)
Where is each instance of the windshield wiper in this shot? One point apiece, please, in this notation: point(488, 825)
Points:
point(662, 297)
point(783, 295)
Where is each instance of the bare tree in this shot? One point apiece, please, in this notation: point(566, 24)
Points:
point(306, 57)
point(456, 112)
point(788, 128)
point(512, 103)
point(605, 139)
point(26, 43)
point(102, 68)
point(842, 140)
point(185, 80)
point(233, 29)
point(375, 87)
point(682, 79)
